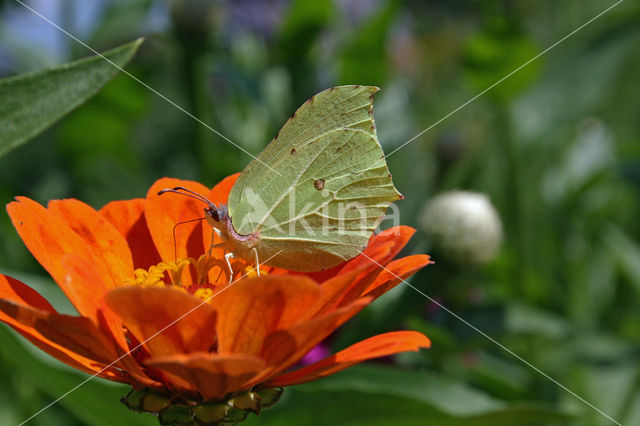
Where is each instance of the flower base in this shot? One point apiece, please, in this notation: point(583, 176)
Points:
point(179, 411)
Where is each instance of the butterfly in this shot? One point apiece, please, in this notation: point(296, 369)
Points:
point(313, 197)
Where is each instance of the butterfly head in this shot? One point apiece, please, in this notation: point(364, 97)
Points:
point(214, 215)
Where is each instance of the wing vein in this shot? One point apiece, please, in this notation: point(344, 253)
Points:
point(293, 186)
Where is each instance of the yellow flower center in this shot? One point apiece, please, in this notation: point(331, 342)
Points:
point(207, 271)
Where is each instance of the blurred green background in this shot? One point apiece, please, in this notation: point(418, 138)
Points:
point(556, 148)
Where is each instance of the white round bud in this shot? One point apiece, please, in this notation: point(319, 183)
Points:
point(464, 226)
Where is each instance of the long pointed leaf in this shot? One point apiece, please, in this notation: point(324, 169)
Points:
point(30, 103)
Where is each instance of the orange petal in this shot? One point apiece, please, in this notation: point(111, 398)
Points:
point(164, 213)
point(72, 340)
point(128, 218)
point(283, 348)
point(382, 247)
point(333, 290)
point(373, 347)
point(82, 280)
point(381, 250)
point(14, 291)
point(91, 289)
point(77, 334)
point(252, 308)
point(108, 248)
point(325, 274)
point(49, 239)
point(166, 321)
point(210, 374)
point(395, 272)
point(220, 193)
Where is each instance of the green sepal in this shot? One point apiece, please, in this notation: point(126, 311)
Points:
point(249, 401)
point(268, 397)
point(154, 403)
point(234, 417)
point(145, 401)
point(182, 411)
point(175, 415)
point(209, 414)
point(133, 400)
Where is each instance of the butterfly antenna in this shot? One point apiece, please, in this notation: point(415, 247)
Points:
point(175, 241)
point(188, 193)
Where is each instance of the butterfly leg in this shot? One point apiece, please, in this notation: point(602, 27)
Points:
point(214, 232)
point(255, 253)
point(226, 258)
point(214, 246)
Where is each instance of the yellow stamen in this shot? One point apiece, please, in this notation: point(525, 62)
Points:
point(170, 274)
point(203, 265)
point(204, 293)
point(151, 278)
point(175, 270)
point(251, 271)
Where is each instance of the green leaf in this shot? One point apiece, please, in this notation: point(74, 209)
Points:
point(373, 395)
point(32, 102)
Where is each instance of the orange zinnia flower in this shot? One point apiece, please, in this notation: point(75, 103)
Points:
point(157, 312)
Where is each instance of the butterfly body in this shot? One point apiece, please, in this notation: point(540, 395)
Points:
point(240, 245)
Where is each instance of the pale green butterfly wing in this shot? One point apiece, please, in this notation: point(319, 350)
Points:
point(339, 107)
point(332, 189)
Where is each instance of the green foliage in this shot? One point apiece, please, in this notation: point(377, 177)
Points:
point(370, 395)
point(300, 30)
point(33, 102)
point(360, 59)
point(498, 51)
